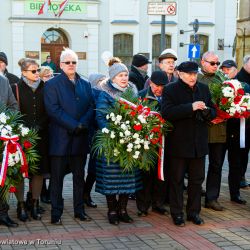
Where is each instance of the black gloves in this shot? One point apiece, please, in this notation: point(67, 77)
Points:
point(79, 130)
point(203, 115)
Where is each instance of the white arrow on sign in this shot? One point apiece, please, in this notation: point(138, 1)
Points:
point(194, 50)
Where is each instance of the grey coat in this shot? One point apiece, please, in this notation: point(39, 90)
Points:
point(6, 95)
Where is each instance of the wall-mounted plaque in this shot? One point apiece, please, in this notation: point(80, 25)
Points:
point(82, 55)
point(32, 54)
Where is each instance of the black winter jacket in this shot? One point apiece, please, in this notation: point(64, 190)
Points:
point(189, 137)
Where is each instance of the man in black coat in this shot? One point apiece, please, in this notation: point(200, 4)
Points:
point(3, 69)
point(154, 190)
point(138, 73)
point(187, 105)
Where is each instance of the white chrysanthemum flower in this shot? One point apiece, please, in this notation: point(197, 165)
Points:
point(136, 135)
point(121, 134)
point(112, 118)
point(137, 141)
point(17, 157)
point(24, 131)
point(3, 118)
point(130, 145)
point(146, 143)
point(138, 146)
point(11, 161)
point(232, 111)
point(127, 122)
point(112, 135)
point(5, 132)
point(105, 130)
point(8, 127)
point(124, 127)
point(127, 133)
point(136, 155)
point(122, 141)
point(228, 92)
point(129, 149)
point(116, 152)
point(112, 114)
point(107, 117)
point(119, 117)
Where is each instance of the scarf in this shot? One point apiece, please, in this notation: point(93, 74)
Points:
point(116, 86)
point(32, 85)
point(142, 72)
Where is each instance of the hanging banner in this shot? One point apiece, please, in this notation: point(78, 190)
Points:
point(73, 7)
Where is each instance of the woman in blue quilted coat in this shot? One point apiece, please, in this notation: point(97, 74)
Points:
point(110, 179)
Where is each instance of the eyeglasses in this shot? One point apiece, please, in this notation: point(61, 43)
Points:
point(213, 63)
point(69, 62)
point(33, 71)
point(168, 63)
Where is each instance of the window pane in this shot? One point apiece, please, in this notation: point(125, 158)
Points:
point(123, 47)
point(156, 50)
point(52, 36)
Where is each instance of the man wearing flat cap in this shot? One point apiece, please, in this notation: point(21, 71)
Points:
point(154, 190)
point(3, 69)
point(187, 104)
point(167, 60)
point(229, 68)
point(138, 73)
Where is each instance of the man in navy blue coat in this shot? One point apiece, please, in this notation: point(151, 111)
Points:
point(69, 103)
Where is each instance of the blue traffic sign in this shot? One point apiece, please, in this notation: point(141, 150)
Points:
point(194, 51)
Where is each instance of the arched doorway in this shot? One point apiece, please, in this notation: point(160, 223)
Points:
point(52, 42)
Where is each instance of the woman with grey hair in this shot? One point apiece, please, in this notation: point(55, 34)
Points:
point(29, 94)
point(111, 181)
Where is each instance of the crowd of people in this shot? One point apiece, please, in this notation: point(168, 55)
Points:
point(67, 110)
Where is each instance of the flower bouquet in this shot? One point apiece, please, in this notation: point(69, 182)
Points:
point(134, 135)
point(230, 100)
point(17, 154)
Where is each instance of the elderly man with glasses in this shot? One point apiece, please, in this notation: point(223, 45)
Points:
point(219, 142)
point(69, 103)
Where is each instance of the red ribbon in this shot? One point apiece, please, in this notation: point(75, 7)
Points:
point(3, 171)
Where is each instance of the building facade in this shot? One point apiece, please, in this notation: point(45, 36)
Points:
point(243, 31)
point(122, 27)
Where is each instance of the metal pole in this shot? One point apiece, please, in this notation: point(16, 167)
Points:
point(244, 41)
point(163, 37)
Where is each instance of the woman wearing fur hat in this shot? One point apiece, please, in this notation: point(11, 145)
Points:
point(110, 180)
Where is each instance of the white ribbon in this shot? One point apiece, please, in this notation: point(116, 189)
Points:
point(242, 132)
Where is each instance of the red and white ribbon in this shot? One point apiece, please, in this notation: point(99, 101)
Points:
point(4, 167)
point(160, 166)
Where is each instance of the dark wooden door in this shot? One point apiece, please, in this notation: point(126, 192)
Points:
point(55, 51)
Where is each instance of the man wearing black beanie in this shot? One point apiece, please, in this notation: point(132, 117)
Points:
point(138, 73)
point(3, 69)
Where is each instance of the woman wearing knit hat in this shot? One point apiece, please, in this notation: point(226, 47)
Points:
point(110, 179)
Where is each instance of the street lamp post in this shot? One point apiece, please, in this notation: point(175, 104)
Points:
point(163, 37)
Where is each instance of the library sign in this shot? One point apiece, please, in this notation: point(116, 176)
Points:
point(73, 7)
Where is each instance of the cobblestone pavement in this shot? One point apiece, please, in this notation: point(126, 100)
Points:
point(229, 229)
